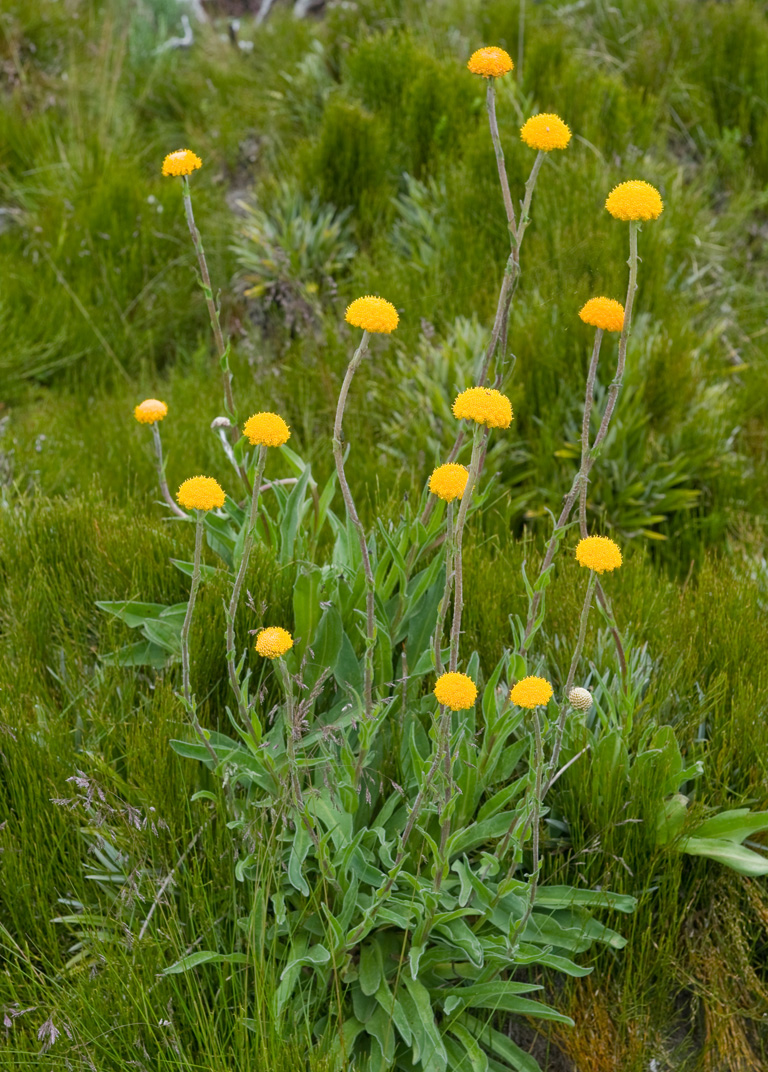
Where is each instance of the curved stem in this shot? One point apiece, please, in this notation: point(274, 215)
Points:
point(534, 820)
point(442, 610)
point(189, 701)
point(338, 454)
point(237, 587)
point(588, 399)
point(613, 393)
point(161, 474)
point(458, 571)
point(490, 104)
point(222, 348)
point(560, 731)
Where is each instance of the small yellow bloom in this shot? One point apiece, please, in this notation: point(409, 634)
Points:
point(200, 493)
point(545, 132)
point(605, 313)
point(635, 200)
point(485, 406)
point(375, 315)
point(448, 482)
point(490, 62)
point(182, 162)
point(456, 691)
point(531, 692)
point(150, 410)
point(273, 642)
point(598, 553)
point(267, 429)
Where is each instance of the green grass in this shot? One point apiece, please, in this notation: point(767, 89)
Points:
point(372, 110)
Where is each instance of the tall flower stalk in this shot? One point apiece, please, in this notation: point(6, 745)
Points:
point(199, 493)
point(630, 206)
point(152, 411)
point(263, 430)
point(373, 315)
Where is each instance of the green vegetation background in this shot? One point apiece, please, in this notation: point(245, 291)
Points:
point(369, 110)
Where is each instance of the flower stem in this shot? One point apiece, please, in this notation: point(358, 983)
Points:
point(161, 474)
point(221, 347)
point(338, 454)
point(458, 571)
point(442, 610)
point(534, 819)
point(189, 701)
point(588, 400)
point(560, 731)
point(490, 104)
point(613, 393)
point(237, 587)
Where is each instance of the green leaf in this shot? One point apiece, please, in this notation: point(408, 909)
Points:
point(371, 970)
point(733, 825)
point(478, 833)
point(135, 614)
point(188, 568)
point(141, 653)
point(294, 512)
point(433, 1054)
point(475, 1060)
point(315, 956)
point(500, 1045)
point(737, 857)
point(565, 896)
point(204, 956)
point(306, 607)
point(325, 646)
point(299, 850)
point(499, 994)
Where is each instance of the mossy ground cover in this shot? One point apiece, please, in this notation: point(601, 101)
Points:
point(370, 111)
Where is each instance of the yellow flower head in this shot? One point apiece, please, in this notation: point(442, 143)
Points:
point(372, 314)
point(150, 410)
point(267, 429)
point(605, 313)
point(448, 482)
point(200, 493)
point(634, 200)
point(485, 406)
point(273, 642)
point(456, 691)
point(598, 553)
point(182, 162)
point(545, 132)
point(531, 692)
point(490, 62)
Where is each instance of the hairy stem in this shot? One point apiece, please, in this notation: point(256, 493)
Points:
point(442, 610)
point(458, 572)
point(189, 701)
point(213, 313)
point(534, 820)
point(237, 588)
point(338, 454)
point(564, 705)
point(588, 400)
point(490, 104)
point(613, 394)
point(161, 474)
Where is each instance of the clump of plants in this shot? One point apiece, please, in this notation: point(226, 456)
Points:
point(397, 785)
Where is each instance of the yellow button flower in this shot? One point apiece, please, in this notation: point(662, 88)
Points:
point(182, 162)
point(485, 406)
point(200, 493)
point(273, 642)
point(456, 691)
point(448, 482)
point(375, 315)
point(545, 132)
point(150, 410)
point(267, 429)
point(598, 553)
point(634, 200)
point(490, 62)
point(605, 313)
point(531, 692)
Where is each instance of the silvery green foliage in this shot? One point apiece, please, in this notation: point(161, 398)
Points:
point(406, 953)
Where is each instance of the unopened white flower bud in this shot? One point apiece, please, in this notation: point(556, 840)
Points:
point(580, 699)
